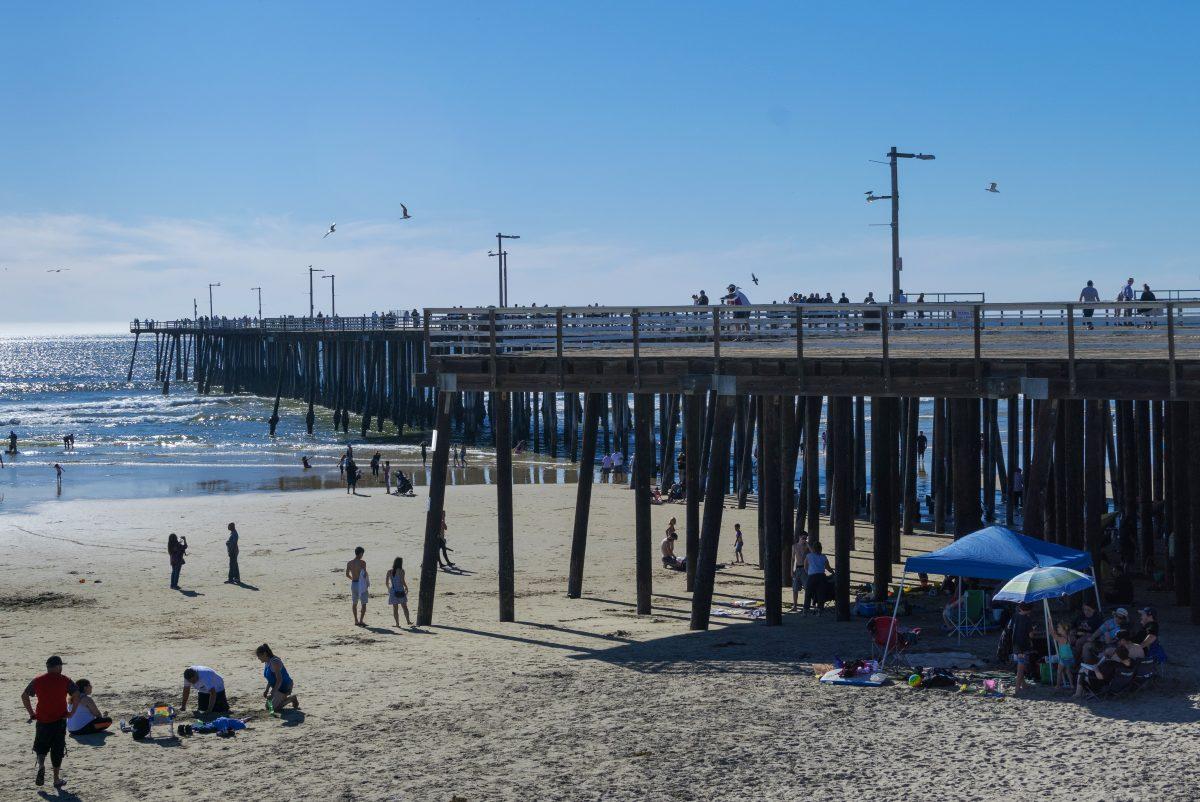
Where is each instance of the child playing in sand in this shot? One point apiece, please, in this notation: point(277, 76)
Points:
point(356, 572)
point(737, 544)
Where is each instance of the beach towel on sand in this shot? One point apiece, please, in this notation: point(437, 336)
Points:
point(222, 724)
point(834, 677)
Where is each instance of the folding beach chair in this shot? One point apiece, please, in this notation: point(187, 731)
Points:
point(1145, 672)
point(887, 635)
point(971, 616)
point(161, 715)
point(1122, 683)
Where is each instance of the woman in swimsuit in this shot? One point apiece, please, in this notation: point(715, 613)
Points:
point(279, 682)
point(398, 591)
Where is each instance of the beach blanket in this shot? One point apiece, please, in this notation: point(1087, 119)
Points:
point(874, 680)
point(222, 724)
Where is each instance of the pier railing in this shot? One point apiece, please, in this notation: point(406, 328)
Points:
point(387, 322)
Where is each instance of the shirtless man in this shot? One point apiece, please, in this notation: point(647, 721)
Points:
point(356, 572)
point(668, 549)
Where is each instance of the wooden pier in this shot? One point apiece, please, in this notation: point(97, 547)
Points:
point(1089, 394)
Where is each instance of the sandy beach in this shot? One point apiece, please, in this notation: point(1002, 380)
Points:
point(578, 700)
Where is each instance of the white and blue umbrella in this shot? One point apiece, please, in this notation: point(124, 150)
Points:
point(1038, 584)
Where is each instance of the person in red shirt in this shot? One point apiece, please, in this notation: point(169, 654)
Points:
point(52, 691)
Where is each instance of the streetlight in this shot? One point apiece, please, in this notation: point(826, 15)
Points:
point(500, 271)
point(503, 265)
point(332, 295)
point(897, 262)
point(210, 305)
point(259, 289)
point(311, 270)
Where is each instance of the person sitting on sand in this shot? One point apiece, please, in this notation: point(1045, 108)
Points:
point(675, 493)
point(1084, 627)
point(1147, 635)
point(656, 495)
point(83, 716)
point(279, 683)
point(669, 559)
point(398, 591)
point(210, 690)
point(356, 572)
point(1125, 638)
point(1094, 678)
point(1106, 635)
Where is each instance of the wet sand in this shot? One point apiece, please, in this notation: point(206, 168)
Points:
point(579, 700)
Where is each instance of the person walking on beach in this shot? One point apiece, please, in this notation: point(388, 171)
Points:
point(279, 683)
point(375, 463)
point(53, 691)
point(210, 690)
point(1017, 488)
point(444, 549)
point(351, 477)
point(231, 546)
point(816, 565)
point(12, 442)
point(424, 451)
point(922, 444)
point(176, 548)
point(305, 463)
point(58, 472)
point(1089, 294)
point(738, 543)
point(462, 455)
point(356, 572)
point(398, 591)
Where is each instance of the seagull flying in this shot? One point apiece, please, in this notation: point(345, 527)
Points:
point(404, 209)
point(332, 229)
point(754, 278)
point(59, 270)
point(991, 187)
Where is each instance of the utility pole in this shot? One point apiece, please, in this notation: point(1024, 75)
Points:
point(252, 289)
point(332, 295)
point(210, 303)
point(897, 262)
point(311, 270)
point(503, 257)
point(195, 310)
point(500, 272)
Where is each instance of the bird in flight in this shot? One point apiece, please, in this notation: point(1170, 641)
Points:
point(332, 229)
point(404, 209)
point(754, 278)
point(57, 270)
point(991, 187)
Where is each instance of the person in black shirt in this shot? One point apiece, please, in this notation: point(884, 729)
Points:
point(922, 444)
point(1021, 627)
point(702, 299)
point(1084, 627)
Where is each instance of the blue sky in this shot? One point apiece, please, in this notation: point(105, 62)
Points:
point(641, 150)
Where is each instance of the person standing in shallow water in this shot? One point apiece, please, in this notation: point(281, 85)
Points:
point(176, 548)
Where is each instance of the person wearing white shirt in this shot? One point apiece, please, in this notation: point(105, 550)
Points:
point(1089, 294)
point(210, 690)
point(1127, 294)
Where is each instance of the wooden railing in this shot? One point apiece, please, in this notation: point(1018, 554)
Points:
point(387, 322)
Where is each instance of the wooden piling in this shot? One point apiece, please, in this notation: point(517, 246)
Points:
point(769, 492)
point(841, 442)
point(881, 497)
point(583, 492)
point(714, 503)
point(643, 469)
point(504, 506)
point(433, 513)
point(693, 412)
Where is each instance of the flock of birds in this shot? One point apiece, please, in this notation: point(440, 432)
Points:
point(404, 215)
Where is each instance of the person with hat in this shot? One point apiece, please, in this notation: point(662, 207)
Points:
point(735, 297)
point(1106, 635)
point(53, 690)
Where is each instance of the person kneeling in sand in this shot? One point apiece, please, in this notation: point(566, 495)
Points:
point(279, 682)
point(669, 559)
point(83, 717)
point(356, 572)
point(210, 690)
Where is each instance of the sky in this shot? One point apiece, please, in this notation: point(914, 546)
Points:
point(641, 150)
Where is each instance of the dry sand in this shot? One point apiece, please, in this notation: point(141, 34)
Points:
point(579, 700)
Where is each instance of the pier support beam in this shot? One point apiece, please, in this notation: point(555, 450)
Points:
point(583, 493)
point(1095, 498)
point(1039, 468)
point(501, 403)
point(768, 498)
point(714, 503)
point(842, 445)
point(433, 515)
point(881, 498)
point(692, 423)
point(643, 468)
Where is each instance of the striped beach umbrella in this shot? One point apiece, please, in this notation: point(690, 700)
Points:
point(1039, 583)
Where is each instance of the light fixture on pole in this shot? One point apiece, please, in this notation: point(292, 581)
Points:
point(500, 271)
point(897, 262)
point(332, 294)
point(210, 303)
point(503, 257)
point(259, 289)
point(311, 270)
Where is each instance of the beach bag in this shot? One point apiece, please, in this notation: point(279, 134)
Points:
point(938, 678)
point(140, 726)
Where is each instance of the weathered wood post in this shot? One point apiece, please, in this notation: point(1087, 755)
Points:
point(966, 466)
point(881, 497)
point(768, 496)
point(1181, 448)
point(692, 411)
point(1145, 488)
point(583, 493)
point(1095, 503)
point(1193, 514)
point(504, 506)
point(643, 469)
point(841, 442)
point(939, 489)
point(433, 513)
point(714, 504)
point(1013, 422)
point(1039, 468)
point(812, 456)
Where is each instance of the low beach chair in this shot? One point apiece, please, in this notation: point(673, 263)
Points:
point(1145, 672)
point(887, 635)
point(161, 715)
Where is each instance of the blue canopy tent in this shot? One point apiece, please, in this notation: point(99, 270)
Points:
point(993, 553)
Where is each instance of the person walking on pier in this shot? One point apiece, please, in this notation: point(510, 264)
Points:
point(1147, 312)
point(1089, 294)
point(231, 546)
point(1126, 294)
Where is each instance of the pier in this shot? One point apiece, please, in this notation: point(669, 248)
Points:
point(1098, 400)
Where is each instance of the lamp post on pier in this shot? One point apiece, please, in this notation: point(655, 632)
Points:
point(311, 270)
point(210, 302)
point(897, 262)
point(332, 295)
point(502, 256)
point(259, 290)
